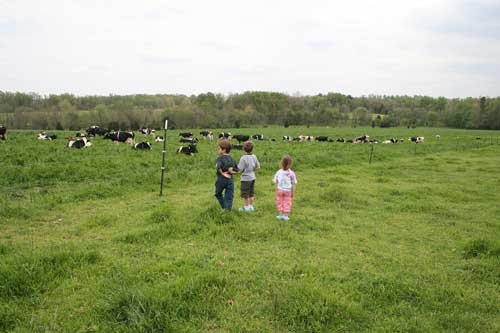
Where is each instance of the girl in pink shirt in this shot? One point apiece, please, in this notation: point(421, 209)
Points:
point(286, 182)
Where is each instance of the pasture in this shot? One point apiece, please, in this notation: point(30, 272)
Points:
point(409, 242)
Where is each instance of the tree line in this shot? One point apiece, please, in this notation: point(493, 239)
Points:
point(255, 108)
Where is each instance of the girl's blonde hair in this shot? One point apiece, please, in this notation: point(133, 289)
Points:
point(286, 162)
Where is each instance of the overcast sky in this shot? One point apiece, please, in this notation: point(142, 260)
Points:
point(428, 47)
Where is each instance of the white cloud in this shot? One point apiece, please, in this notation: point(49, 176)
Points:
point(357, 47)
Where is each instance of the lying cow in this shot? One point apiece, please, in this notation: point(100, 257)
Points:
point(391, 140)
point(258, 137)
point(186, 134)
point(78, 143)
point(322, 139)
point(225, 135)
point(96, 130)
point(287, 138)
point(142, 146)
point(3, 131)
point(306, 138)
point(363, 138)
point(188, 140)
point(189, 150)
point(207, 135)
point(242, 138)
point(146, 131)
point(120, 136)
point(159, 138)
point(45, 136)
point(417, 139)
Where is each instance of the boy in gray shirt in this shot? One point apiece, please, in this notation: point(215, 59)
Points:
point(247, 166)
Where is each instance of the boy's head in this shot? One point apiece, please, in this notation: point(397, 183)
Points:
point(225, 146)
point(286, 162)
point(248, 147)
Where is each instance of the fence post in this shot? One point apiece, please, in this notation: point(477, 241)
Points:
point(163, 157)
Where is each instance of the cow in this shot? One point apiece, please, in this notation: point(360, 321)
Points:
point(340, 140)
point(322, 138)
point(3, 131)
point(142, 146)
point(96, 130)
point(78, 143)
point(159, 138)
point(416, 139)
point(391, 140)
point(146, 131)
point(188, 140)
point(186, 134)
point(120, 136)
point(225, 135)
point(207, 135)
point(305, 138)
point(242, 138)
point(258, 137)
point(363, 138)
point(189, 150)
point(45, 136)
point(287, 138)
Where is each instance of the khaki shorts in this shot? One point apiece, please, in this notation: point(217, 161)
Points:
point(247, 189)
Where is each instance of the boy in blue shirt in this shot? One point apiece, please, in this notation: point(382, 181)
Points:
point(225, 166)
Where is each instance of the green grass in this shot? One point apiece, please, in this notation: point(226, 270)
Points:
point(407, 243)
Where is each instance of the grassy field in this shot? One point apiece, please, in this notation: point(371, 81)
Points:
point(407, 243)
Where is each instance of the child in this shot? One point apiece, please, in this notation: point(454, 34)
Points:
point(225, 166)
point(248, 164)
point(285, 181)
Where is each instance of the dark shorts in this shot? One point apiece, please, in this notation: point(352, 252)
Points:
point(247, 189)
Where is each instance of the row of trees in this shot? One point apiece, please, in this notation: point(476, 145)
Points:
point(66, 111)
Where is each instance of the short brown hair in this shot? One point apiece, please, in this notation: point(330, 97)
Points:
point(225, 145)
point(248, 146)
point(286, 162)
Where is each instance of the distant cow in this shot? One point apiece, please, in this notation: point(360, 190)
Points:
point(305, 138)
point(142, 146)
point(242, 138)
point(147, 131)
point(119, 136)
point(186, 134)
point(78, 143)
point(188, 140)
point(96, 130)
point(417, 139)
point(258, 137)
point(189, 150)
point(45, 136)
point(341, 140)
point(322, 138)
point(207, 135)
point(225, 135)
point(159, 138)
point(391, 140)
point(3, 131)
point(363, 138)
point(287, 138)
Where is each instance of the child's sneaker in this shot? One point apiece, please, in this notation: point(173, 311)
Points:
point(241, 209)
point(279, 217)
point(251, 209)
point(285, 217)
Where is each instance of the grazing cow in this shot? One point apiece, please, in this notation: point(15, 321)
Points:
point(258, 137)
point(3, 131)
point(45, 136)
point(417, 139)
point(363, 138)
point(236, 147)
point(188, 140)
point(78, 143)
point(207, 135)
point(322, 138)
point(189, 150)
point(159, 138)
point(120, 136)
point(142, 146)
point(287, 138)
point(96, 130)
point(147, 131)
point(242, 138)
point(225, 135)
point(186, 134)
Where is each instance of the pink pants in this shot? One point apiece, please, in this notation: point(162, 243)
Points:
point(284, 201)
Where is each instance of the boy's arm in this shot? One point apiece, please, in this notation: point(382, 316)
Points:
point(293, 190)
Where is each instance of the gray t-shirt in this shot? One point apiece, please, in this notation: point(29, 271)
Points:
point(248, 164)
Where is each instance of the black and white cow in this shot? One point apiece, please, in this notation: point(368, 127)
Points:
point(225, 135)
point(147, 131)
point(96, 130)
point(159, 138)
point(189, 150)
point(45, 136)
point(287, 138)
point(391, 140)
point(120, 136)
point(188, 140)
point(142, 146)
point(3, 133)
point(417, 139)
point(363, 138)
point(258, 137)
point(340, 140)
point(306, 138)
point(242, 138)
point(207, 135)
point(322, 138)
point(186, 134)
point(78, 143)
